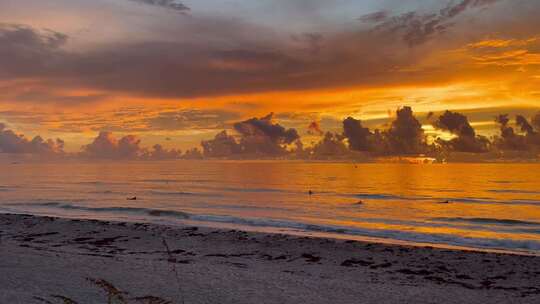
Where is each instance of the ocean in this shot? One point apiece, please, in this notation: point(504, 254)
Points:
point(477, 206)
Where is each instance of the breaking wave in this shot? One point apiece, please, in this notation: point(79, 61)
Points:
point(129, 210)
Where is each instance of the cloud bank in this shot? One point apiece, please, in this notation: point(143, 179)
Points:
point(204, 55)
point(466, 140)
point(107, 146)
point(509, 139)
point(265, 138)
point(257, 137)
point(10, 142)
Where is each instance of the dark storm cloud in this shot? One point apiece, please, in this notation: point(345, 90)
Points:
point(532, 135)
point(26, 52)
point(10, 142)
point(359, 137)
point(456, 123)
point(208, 56)
point(406, 135)
point(215, 56)
point(169, 4)
point(265, 127)
point(156, 68)
point(509, 139)
point(416, 28)
point(525, 126)
point(466, 140)
point(263, 136)
point(257, 136)
point(170, 69)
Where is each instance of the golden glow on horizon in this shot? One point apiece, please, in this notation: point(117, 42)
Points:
point(362, 103)
point(479, 76)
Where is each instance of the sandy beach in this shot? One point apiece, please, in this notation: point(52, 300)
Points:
point(48, 260)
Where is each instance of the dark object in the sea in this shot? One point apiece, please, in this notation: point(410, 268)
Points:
point(445, 202)
point(360, 202)
point(310, 192)
point(131, 198)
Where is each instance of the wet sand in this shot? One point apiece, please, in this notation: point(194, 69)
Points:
point(46, 260)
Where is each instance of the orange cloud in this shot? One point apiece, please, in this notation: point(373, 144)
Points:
point(212, 72)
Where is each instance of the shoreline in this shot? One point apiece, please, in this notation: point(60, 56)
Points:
point(46, 256)
point(223, 225)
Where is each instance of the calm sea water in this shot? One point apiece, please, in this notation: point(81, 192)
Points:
point(494, 206)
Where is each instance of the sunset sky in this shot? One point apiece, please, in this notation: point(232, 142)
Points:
point(176, 73)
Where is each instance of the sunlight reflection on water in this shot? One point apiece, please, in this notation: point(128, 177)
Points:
point(473, 205)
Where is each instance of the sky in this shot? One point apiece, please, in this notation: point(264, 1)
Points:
point(176, 73)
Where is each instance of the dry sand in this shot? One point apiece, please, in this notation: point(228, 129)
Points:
point(43, 257)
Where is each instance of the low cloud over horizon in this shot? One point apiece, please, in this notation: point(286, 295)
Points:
point(265, 138)
point(185, 70)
